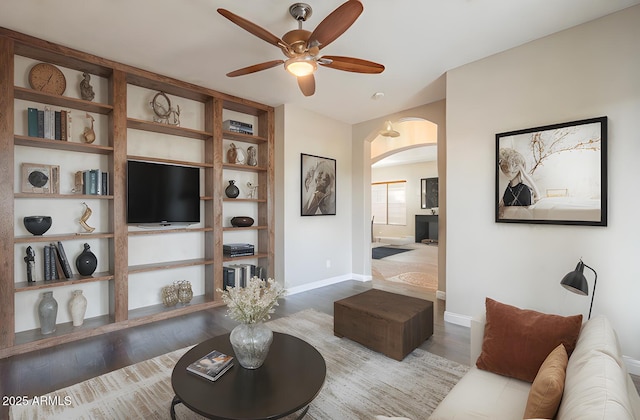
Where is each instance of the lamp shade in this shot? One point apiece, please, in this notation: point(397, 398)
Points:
point(575, 281)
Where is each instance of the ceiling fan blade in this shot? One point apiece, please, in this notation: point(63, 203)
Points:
point(335, 24)
point(355, 65)
point(255, 68)
point(307, 84)
point(253, 28)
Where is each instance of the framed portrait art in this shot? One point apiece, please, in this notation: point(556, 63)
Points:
point(555, 174)
point(318, 185)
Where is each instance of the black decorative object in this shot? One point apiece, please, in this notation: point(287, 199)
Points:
point(86, 262)
point(30, 259)
point(576, 282)
point(37, 225)
point(232, 191)
point(241, 221)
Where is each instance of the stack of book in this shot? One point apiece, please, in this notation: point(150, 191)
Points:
point(237, 127)
point(237, 250)
point(49, 124)
point(239, 274)
point(211, 366)
point(55, 262)
point(92, 182)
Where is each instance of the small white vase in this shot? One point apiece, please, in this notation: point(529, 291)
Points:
point(77, 307)
point(251, 344)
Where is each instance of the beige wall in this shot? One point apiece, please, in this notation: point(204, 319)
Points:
point(588, 71)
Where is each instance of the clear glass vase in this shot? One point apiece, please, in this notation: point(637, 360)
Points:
point(251, 344)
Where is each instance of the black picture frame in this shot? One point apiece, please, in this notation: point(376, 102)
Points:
point(317, 185)
point(428, 193)
point(564, 181)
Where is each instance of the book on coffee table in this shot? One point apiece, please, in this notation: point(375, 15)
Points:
point(211, 366)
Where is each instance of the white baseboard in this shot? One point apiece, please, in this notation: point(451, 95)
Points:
point(441, 295)
point(463, 320)
point(633, 365)
point(326, 282)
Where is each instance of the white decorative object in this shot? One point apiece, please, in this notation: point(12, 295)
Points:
point(77, 307)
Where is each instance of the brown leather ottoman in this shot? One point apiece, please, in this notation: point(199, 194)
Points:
point(386, 322)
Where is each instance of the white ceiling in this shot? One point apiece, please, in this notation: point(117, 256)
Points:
point(417, 41)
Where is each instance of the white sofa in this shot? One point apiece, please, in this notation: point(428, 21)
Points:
point(597, 385)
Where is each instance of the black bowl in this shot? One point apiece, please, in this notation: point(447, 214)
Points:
point(241, 221)
point(37, 225)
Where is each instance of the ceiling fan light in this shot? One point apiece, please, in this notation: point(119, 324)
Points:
point(300, 67)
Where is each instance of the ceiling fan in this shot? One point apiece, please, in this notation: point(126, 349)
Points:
point(302, 48)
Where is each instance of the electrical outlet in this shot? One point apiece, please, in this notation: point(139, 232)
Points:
point(328, 263)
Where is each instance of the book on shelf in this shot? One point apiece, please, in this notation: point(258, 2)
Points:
point(59, 270)
point(211, 366)
point(229, 124)
point(49, 124)
point(92, 182)
point(46, 261)
point(62, 259)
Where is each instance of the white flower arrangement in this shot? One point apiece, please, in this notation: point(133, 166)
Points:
point(253, 303)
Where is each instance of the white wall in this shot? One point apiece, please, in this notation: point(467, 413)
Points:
point(412, 173)
point(311, 249)
point(588, 71)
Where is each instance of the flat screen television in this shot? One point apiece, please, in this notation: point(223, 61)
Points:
point(162, 195)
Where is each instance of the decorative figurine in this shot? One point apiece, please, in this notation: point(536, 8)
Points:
point(252, 156)
point(30, 259)
point(85, 216)
point(89, 135)
point(164, 113)
point(86, 90)
point(232, 153)
point(252, 190)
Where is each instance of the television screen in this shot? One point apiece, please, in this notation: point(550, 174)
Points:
point(162, 194)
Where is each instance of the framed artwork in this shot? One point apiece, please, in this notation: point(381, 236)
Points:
point(40, 178)
point(318, 185)
point(428, 193)
point(555, 174)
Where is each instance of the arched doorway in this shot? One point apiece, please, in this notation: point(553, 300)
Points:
point(399, 164)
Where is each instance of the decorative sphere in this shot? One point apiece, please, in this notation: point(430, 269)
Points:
point(37, 225)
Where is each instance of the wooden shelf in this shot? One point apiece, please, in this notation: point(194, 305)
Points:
point(167, 265)
point(62, 237)
point(173, 130)
point(245, 257)
point(25, 286)
point(170, 161)
point(122, 132)
point(62, 145)
point(239, 167)
point(72, 196)
point(159, 312)
point(232, 228)
point(247, 138)
point(61, 101)
point(165, 231)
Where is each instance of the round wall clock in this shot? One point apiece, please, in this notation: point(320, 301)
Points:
point(47, 78)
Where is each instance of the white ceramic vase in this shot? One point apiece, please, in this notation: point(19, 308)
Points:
point(77, 307)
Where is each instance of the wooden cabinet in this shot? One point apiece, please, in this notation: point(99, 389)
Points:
point(115, 286)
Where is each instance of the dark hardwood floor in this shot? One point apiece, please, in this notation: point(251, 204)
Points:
point(39, 372)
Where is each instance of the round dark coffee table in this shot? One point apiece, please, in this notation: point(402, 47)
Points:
point(290, 378)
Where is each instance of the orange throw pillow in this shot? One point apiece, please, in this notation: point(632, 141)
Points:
point(548, 386)
point(517, 341)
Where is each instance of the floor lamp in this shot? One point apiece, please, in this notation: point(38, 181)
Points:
point(576, 282)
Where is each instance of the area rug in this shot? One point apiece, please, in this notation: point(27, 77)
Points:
point(386, 251)
point(360, 383)
point(425, 280)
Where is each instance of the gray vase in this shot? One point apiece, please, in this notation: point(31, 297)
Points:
point(251, 344)
point(47, 312)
